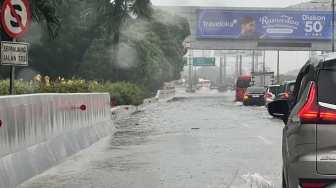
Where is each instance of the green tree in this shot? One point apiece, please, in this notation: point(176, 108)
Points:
point(172, 30)
point(63, 56)
point(150, 52)
point(111, 16)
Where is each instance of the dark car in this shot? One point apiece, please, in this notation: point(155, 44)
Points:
point(285, 91)
point(197, 86)
point(214, 86)
point(254, 96)
point(223, 87)
point(309, 141)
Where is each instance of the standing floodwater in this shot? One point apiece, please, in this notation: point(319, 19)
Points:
point(194, 140)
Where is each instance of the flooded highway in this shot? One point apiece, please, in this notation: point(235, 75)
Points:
point(201, 140)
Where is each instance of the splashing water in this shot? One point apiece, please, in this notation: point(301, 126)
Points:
point(238, 104)
point(256, 181)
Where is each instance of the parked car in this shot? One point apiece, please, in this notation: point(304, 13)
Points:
point(309, 141)
point(271, 91)
point(254, 96)
point(285, 91)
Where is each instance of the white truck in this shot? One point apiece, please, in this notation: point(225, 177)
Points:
point(262, 79)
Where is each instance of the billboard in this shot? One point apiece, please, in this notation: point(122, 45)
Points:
point(248, 24)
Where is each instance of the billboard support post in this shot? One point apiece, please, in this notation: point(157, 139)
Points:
point(333, 26)
point(221, 70)
point(236, 66)
point(252, 68)
point(278, 68)
point(224, 68)
point(240, 65)
point(264, 63)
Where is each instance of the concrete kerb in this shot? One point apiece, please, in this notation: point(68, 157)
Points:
point(127, 110)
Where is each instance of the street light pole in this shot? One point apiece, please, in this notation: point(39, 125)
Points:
point(187, 46)
point(189, 72)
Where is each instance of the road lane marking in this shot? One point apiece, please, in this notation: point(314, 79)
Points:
point(265, 140)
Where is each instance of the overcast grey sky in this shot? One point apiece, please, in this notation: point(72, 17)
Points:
point(288, 60)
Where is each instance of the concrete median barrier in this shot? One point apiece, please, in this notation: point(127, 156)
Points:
point(165, 94)
point(39, 131)
point(126, 110)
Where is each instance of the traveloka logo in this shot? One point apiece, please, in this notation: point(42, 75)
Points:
point(220, 23)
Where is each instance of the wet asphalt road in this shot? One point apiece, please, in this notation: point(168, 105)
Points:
point(196, 140)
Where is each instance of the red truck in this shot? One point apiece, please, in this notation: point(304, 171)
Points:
point(242, 83)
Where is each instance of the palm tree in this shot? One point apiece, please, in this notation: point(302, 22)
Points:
point(42, 11)
point(111, 15)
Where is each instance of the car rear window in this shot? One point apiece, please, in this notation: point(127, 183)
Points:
point(243, 83)
point(282, 89)
point(273, 89)
point(255, 90)
point(326, 85)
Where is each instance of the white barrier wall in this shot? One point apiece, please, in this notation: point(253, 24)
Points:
point(38, 131)
point(165, 94)
point(126, 110)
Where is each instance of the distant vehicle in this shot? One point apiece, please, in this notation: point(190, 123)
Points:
point(169, 85)
point(270, 94)
point(254, 96)
point(214, 86)
point(308, 136)
point(285, 91)
point(262, 79)
point(242, 83)
point(197, 86)
point(223, 87)
point(206, 83)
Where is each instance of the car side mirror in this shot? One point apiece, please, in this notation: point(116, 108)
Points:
point(278, 108)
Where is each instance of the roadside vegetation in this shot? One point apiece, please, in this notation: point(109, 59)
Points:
point(125, 46)
point(121, 93)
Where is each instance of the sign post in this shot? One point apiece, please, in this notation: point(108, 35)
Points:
point(15, 17)
point(12, 75)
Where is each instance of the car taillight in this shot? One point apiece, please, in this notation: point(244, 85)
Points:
point(310, 109)
point(313, 185)
point(267, 95)
point(245, 96)
point(312, 112)
point(286, 95)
